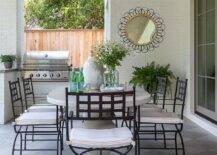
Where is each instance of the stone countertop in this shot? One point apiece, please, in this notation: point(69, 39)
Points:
point(9, 70)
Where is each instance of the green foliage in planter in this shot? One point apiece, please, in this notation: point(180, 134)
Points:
point(110, 54)
point(7, 58)
point(146, 76)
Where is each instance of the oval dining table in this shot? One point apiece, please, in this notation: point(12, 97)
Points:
point(57, 97)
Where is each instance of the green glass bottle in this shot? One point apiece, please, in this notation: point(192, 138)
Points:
point(77, 79)
point(72, 80)
point(81, 80)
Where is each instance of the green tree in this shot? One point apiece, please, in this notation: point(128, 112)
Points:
point(66, 14)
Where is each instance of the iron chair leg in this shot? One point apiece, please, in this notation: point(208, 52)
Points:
point(33, 129)
point(164, 136)
point(14, 144)
point(176, 147)
point(21, 144)
point(182, 142)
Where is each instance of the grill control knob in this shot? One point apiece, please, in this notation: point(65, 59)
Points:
point(37, 75)
point(31, 75)
point(58, 74)
point(51, 75)
point(44, 75)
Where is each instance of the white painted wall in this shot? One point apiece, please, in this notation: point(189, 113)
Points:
point(11, 42)
point(20, 27)
point(8, 26)
point(11, 27)
point(177, 48)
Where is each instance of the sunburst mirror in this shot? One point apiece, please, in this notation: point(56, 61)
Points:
point(142, 29)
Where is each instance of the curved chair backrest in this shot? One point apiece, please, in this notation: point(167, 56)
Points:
point(161, 90)
point(180, 94)
point(93, 106)
point(16, 98)
point(28, 90)
point(100, 105)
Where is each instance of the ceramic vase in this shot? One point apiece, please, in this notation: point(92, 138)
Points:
point(93, 74)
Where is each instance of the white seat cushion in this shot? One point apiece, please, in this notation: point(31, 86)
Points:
point(150, 108)
point(42, 109)
point(43, 104)
point(100, 138)
point(36, 118)
point(160, 117)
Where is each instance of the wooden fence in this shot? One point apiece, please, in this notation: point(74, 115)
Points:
point(77, 42)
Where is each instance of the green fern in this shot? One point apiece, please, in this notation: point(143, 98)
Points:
point(146, 76)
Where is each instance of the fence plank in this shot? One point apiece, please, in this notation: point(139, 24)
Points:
point(77, 42)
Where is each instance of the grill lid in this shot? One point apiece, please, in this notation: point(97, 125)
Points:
point(47, 55)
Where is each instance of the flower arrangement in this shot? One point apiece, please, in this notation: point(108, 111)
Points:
point(110, 54)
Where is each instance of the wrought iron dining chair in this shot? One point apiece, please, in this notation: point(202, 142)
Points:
point(25, 119)
point(99, 106)
point(45, 120)
point(158, 95)
point(158, 102)
point(171, 120)
point(29, 97)
point(16, 98)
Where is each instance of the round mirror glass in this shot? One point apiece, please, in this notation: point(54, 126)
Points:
point(140, 30)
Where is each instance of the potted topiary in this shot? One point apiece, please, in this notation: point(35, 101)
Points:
point(7, 60)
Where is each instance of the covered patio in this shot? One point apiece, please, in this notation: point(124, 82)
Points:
point(146, 80)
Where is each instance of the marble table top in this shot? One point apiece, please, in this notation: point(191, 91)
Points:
point(57, 97)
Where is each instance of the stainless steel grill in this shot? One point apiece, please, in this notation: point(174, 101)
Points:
point(46, 65)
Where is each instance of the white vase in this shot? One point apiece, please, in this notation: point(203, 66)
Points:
point(93, 73)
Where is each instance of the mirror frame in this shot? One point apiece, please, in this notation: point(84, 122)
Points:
point(152, 15)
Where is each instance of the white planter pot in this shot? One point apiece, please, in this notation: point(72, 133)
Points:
point(93, 73)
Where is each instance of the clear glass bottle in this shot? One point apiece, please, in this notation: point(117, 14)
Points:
point(116, 77)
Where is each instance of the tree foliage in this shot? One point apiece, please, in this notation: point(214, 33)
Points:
point(66, 14)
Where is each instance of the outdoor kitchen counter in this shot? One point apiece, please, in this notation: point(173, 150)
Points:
point(5, 101)
point(9, 70)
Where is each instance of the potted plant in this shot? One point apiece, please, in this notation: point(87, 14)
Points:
point(7, 60)
point(146, 76)
point(110, 55)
